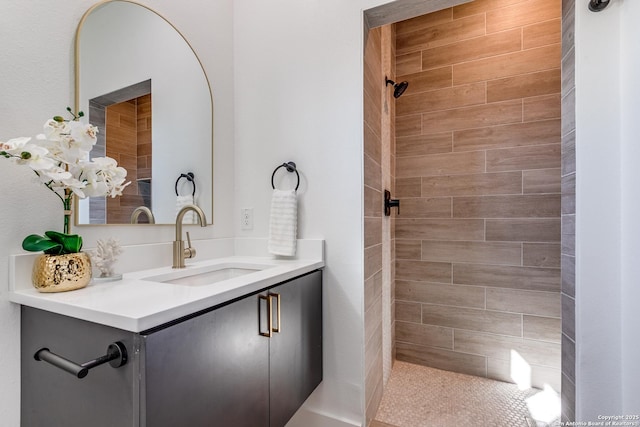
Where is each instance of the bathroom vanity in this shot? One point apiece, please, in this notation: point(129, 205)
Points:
point(243, 351)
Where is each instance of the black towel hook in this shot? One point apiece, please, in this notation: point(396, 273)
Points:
point(290, 167)
point(190, 177)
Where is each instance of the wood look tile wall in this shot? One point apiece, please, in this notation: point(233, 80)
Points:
point(128, 140)
point(122, 145)
point(379, 161)
point(480, 171)
point(373, 276)
point(143, 129)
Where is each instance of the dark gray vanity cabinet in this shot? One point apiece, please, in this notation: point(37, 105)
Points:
point(216, 368)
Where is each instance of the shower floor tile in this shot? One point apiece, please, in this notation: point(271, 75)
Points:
point(419, 396)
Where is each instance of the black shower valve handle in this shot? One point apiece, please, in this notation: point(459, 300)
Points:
point(390, 203)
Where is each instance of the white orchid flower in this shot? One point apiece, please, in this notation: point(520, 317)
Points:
point(14, 146)
point(96, 189)
point(77, 187)
point(53, 129)
point(26, 153)
point(104, 162)
point(84, 135)
point(105, 176)
point(60, 157)
point(57, 147)
point(58, 175)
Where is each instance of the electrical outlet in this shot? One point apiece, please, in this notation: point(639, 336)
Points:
point(246, 219)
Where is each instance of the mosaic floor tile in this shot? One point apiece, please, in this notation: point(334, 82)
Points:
point(419, 396)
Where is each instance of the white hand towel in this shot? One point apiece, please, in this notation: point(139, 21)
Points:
point(283, 224)
point(189, 216)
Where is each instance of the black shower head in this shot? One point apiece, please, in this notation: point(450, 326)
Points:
point(398, 88)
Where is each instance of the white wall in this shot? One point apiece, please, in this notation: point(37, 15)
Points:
point(598, 303)
point(630, 90)
point(299, 97)
point(607, 249)
point(36, 82)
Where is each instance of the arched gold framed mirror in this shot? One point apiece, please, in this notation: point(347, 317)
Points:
point(140, 81)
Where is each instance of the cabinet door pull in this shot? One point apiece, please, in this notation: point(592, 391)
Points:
point(269, 302)
point(277, 329)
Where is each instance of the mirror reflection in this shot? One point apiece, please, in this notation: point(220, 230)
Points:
point(145, 89)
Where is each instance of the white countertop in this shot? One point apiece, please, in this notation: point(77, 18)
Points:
point(135, 304)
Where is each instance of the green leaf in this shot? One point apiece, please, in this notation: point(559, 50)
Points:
point(71, 243)
point(55, 236)
point(54, 243)
point(35, 243)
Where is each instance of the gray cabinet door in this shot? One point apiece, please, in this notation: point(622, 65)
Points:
point(51, 397)
point(210, 370)
point(296, 350)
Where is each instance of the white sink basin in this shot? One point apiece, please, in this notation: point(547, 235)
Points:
point(207, 275)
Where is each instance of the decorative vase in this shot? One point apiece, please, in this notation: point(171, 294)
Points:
point(60, 273)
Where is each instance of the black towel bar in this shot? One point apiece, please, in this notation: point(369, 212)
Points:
point(116, 356)
point(290, 167)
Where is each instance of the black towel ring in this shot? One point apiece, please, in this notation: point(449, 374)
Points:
point(290, 167)
point(190, 178)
